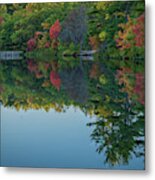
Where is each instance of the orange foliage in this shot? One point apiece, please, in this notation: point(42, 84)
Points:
point(133, 83)
point(132, 33)
point(124, 75)
point(95, 71)
point(94, 42)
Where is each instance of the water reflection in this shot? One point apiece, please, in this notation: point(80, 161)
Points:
point(101, 88)
point(89, 55)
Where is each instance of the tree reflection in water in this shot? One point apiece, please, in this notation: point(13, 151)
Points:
point(86, 55)
point(92, 86)
point(120, 135)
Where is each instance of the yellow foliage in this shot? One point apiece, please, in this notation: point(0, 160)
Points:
point(103, 5)
point(103, 110)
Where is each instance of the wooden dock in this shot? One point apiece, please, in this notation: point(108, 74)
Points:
point(10, 55)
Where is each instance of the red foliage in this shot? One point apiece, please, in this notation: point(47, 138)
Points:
point(138, 30)
point(132, 33)
point(134, 90)
point(139, 87)
point(32, 67)
point(31, 44)
point(55, 80)
point(55, 30)
point(48, 44)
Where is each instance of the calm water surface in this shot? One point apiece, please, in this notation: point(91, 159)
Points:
point(72, 85)
point(41, 139)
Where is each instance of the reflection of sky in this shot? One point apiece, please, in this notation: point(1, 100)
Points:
point(41, 139)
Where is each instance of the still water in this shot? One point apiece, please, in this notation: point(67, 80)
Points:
point(72, 113)
point(40, 139)
point(72, 85)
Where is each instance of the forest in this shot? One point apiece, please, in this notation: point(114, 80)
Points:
point(90, 55)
